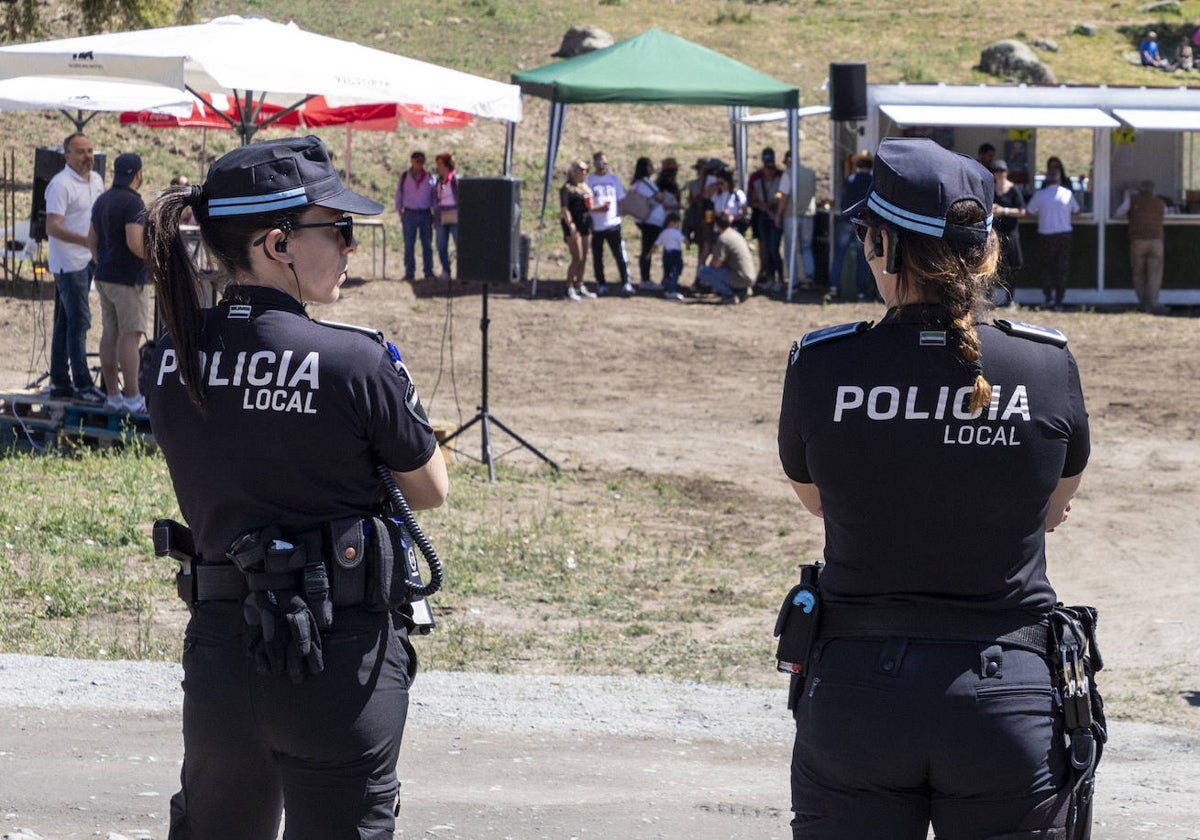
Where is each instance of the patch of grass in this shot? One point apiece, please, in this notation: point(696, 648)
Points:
point(549, 572)
point(732, 14)
point(77, 573)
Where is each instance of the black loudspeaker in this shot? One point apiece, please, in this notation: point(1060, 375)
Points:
point(489, 223)
point(48, 161)
point(848, 100)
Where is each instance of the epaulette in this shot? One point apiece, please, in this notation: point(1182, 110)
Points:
point(370, 332)
point(1045, 335)
point(829, 334)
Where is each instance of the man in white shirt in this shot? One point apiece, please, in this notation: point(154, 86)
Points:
point(69, 198)
point(607, 192)
point(805, 196)
point(1054, 205)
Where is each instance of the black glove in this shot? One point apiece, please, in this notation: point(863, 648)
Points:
point(282, 634)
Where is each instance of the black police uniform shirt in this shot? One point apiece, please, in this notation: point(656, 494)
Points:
point(297, 414)
point(923, 502)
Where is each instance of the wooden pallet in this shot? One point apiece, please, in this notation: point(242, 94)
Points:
point(33, 421)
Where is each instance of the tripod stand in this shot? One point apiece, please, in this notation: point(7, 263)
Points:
point(485, 417)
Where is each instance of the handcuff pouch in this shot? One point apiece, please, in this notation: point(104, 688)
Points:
point(348, 560)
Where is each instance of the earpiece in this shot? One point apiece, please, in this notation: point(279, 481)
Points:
point(876, 244)
point(281, 246)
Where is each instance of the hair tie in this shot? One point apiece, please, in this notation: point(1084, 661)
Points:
point(195, 196)
point(975, 368)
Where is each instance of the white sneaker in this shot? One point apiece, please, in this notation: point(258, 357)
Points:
point(573, 294)
point(649, 286)
point(134, 405)
point(114, 402)
point(673, 295)
point(585, 292)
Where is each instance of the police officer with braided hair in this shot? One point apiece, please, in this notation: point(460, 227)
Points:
point(296, 659)
point(939, 448)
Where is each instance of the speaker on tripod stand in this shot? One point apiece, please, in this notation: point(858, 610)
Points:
point(489, 225)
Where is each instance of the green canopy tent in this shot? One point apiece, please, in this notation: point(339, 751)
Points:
point(659, 68)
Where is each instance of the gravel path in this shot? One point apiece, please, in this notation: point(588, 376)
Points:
point(92, 749)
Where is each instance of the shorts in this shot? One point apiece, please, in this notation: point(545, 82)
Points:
point(124, 309)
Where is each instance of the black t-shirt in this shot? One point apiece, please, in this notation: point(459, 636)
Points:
point(115, 263)
point(296, 417)
point(1013, 200)
point(923, 504)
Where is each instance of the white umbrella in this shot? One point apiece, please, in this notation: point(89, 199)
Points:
point(67, 95)
point(257, 60)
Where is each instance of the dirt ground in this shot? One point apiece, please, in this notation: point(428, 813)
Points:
point(690, 389)
point(685, 390)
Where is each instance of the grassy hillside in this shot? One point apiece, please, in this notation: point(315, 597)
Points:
point(793, 40)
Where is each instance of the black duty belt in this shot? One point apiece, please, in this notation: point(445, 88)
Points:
point(934, 624)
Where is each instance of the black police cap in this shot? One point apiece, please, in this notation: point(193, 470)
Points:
point(915, 181)
point(277, 175)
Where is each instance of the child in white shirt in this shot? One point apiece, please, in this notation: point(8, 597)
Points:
point(671, 240)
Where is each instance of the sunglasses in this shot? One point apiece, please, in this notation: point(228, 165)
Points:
point(344, 226)
point(860, 229)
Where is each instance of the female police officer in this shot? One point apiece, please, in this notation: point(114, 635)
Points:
point(272, 425)
point(939, 450)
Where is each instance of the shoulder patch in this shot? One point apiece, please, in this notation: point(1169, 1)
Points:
point(412, 402)
point(1033, 332)
point(830, 333)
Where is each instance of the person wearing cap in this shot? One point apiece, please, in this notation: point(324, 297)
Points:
point(116, 240)
point(1146, 212)
point(1150, 54)
point(762, 188)
point(854, 189)
point(1008, 208)
point(279, 432)
point(938, 447)
point(69, 198)
point(1055, 206)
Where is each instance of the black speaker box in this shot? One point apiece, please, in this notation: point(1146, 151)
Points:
point(48, 161)
point(848, 100)
point(489, 223)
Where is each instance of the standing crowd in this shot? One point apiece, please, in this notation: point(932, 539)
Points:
point(710, 212)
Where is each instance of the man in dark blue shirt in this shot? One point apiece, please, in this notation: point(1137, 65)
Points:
point(117, 242)
point(854, 190)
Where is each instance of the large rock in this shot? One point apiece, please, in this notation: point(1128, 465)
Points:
point(1158, 8)
point(583, 39)
point(1014, 60)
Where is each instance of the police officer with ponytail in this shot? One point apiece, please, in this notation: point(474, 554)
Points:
point(939, 447)
point(296, 659)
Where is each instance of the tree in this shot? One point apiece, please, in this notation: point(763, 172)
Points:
point(29, 20)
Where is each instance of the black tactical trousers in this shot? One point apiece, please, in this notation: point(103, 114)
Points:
point(894, 735)
point(324, 751)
